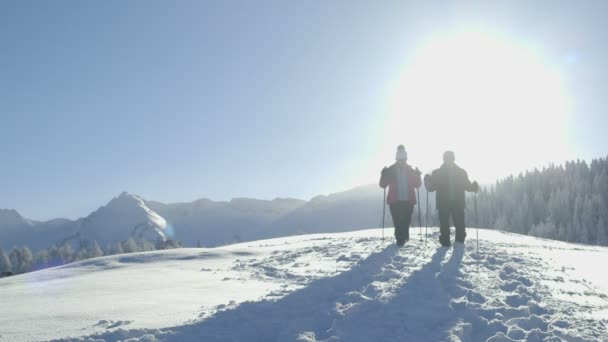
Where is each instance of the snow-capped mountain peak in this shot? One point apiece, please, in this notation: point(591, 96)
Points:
point(125, 216)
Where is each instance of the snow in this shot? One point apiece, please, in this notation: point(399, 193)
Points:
point(202, 221)
point(322, 287)
point(124, 216)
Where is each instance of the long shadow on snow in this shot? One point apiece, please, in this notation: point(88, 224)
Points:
point(432, 305)
point(419, 311)
point(310, 309)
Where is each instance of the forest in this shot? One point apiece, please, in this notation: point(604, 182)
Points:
point(561, 202)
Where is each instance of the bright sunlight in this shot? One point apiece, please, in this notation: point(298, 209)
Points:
point(496, 103)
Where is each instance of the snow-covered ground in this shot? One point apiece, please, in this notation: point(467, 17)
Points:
point(324, 287)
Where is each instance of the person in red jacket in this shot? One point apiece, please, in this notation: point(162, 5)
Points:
point(402, 180)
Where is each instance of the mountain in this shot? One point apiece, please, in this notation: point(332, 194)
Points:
point(326, 287)
point(123, 217)
point(16, 230)
point(215, 223)
point(210, 223)
point(357, 208)
point(11, 219)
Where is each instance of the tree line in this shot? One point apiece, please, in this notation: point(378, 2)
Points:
point(562, 202)
point(22, 260)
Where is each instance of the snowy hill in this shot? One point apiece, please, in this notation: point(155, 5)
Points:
point(326, 287)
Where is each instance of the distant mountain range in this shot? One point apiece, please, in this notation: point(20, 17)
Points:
point(205, 222)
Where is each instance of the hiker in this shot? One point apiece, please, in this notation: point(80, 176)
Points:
point(401, 180)
point(450, 182)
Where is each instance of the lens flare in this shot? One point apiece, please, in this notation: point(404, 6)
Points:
point(169, 231)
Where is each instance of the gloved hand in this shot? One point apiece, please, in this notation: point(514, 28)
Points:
point(384, 171)
point(475, 187)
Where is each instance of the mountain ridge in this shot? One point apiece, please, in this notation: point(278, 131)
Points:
point(205, 221)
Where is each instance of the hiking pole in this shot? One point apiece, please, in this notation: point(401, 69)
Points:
point(426, 219)
point(419, 216)
point(383, 213)
point(476, 223)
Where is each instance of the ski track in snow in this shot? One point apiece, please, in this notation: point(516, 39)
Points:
point(378, 292)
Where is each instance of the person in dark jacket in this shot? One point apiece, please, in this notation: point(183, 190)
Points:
point(402, 180)
point(450, 182)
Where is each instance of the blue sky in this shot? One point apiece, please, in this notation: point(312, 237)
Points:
point(178, 100)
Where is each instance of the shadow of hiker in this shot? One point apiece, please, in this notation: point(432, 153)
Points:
point(341, 308)
point(310, 309)
point(414, 313)
point(419, 310)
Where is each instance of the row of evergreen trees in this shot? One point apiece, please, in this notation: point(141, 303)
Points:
point(566, 202)
point(22, 260)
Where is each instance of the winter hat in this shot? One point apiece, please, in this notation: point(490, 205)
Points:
point(448, 157)
point(401, 153)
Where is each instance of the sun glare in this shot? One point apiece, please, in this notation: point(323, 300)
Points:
point(498, 104)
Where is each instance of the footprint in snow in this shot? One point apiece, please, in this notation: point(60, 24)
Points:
point(110, 324)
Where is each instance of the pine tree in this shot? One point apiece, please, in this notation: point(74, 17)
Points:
point(562, 202)
point(66, 253)
point(41, 260)
point(117, 249)
point(94, 251)
point(26, 259)
point(5, 262)
point(129, 246)
point(15, 259)
point(602, 232)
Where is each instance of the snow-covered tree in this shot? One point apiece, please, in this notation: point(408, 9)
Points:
point(94, 251)
point(601, 231)
point(66, 253)
point(41, 260)
point(26, 259)
point(564, 202)
point(129, 246)
point(117, 248)
point(15, 259)
point(5, 262)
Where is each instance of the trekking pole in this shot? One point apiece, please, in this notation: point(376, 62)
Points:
point(426, 220)
point(383, 213)
point(476, 223)
point(419, 216)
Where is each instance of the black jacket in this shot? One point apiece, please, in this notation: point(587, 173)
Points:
point(450, 197)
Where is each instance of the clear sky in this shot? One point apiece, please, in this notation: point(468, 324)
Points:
point(178, 100)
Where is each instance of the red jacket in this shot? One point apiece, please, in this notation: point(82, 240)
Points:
point(389, 178)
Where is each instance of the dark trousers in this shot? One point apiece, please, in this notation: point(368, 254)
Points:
point(457, 215)
point(401, 212)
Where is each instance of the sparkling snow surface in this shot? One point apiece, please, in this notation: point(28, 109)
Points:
point(324, 287)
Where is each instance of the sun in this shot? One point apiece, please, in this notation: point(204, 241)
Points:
point(497, 103)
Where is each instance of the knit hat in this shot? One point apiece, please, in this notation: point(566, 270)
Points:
point(401, 153)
